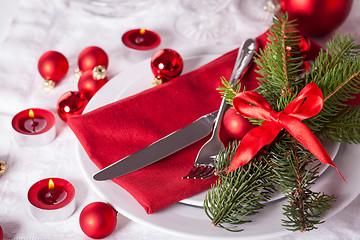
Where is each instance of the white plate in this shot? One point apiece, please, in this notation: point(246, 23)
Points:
point(190, 221)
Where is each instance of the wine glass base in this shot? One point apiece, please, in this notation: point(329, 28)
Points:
point(205, 29)
point(259, 10)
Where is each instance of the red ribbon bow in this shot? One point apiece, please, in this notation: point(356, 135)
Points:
point(307, 104)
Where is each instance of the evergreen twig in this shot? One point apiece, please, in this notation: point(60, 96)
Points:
point(238, 194)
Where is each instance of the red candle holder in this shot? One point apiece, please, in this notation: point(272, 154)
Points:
point(52, 200)
point(141, 39)
point(34, 127)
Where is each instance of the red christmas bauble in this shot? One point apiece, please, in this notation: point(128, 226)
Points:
point(317, 17)
point(70, 104)
point(166, 64)
point(1, 233)
point(98, 220)
point(53, 66)
point(235, 125)
point(92, 57)
point(88, 85)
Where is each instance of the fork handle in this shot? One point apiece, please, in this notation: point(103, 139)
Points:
point(243, 59)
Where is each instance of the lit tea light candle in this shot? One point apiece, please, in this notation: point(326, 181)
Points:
point(52, 200)
point(34, 124)
point(52, 195)
point(34, 127)
point(141, 39)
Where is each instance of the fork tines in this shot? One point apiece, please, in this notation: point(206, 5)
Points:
point(200, 172)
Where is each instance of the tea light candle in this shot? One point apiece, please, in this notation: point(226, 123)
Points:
point(52, 200)
point(141, 39)
point(34, 127)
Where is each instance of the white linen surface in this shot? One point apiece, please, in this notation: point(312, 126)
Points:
point(30, 28)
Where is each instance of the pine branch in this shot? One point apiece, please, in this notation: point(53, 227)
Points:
point(344, 127)
point(280, 63)
point(229, 91)
point(296, 171)
point(337, 73)
point(239, 194)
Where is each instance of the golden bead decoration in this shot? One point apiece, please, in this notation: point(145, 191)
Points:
point(156, 81)
point(48, 83)
point(3, 167)
point(99, 72)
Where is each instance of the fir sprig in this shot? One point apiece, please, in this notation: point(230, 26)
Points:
point(238, 194)
point(229, 91)
point(337, 73)
point(295, 176)
point(280, 63)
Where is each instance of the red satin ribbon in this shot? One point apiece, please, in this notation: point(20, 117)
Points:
point(307, 104)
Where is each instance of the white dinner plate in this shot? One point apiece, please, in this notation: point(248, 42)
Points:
point(190, 221)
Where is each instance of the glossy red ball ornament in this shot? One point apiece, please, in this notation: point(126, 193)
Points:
point(166, 64)
point(70, 104)
point(89, 85)
point(53, 67)
point(1, 233)
point(235, 125)
point(98, 220)
point(317, 17)
point(91, 57)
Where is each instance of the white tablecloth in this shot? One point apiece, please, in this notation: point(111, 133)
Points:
point(30, 28)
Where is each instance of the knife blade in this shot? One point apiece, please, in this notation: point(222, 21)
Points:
point(160, 149)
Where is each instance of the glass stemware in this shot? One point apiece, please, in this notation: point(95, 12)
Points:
point(259, 10)
point(206, 23)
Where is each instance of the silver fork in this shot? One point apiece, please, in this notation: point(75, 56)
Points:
point(204, 166)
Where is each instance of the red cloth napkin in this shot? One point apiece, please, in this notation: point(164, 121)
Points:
point(128, 125)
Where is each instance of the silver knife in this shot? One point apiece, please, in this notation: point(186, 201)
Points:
point(160, 149)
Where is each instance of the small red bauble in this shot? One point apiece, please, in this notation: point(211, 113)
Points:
point(88, 85)
point(53, 67)
point(1, 233)
point(91, 57)
point(98, 220)
point(70, 104)
point(166, 64)
point(317, 17)
point(235, 125)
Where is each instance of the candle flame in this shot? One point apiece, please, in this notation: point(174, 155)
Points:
point(51, 184)
point(142, 31)
point(31, 113)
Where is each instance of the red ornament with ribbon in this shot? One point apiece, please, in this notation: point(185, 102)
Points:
point(53, 67)
point(308, 103)
point(98, 220)
point(317, 17)
point(166, 64)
